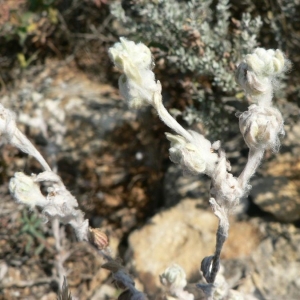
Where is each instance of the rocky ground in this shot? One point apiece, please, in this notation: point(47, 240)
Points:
point(115, 162)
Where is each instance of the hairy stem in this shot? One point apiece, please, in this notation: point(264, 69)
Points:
point(222, 234)
point(254, 159)
point(20, 141)
point(167, 118)
point(59, 258)
point(210, 265)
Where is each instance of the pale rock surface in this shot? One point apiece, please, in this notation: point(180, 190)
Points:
point(271, 271)
point(185, 234)
point(276, 263)
point(104, 292)
point(277, 189)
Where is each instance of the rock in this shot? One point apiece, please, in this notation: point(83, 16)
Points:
point(185, 234)
point(276, 187)
point(276, 263)
point(277, 192)
point(104, 292)
point(243, 238)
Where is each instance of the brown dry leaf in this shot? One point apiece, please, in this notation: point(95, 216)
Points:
point(99, 238)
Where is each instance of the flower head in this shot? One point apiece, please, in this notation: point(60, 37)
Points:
point(25, 190)
point(195, 156)
point(186, 154)
point(173, 277)
point(131, 58)
point(137, 85)
point(256, 73)
point(261, 127)
point(266, 63)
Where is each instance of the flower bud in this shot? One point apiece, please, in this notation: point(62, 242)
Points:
point(137, 85)
point(261, 127)
point(265, 62)
point(25, 190)
point(250, 82)
point(98, 238)
point(173, 277)
point(130, 58)
point(195, 156)
point(256, 72)
point(186, 154)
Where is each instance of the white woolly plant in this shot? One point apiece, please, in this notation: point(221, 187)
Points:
point(260, 126)
point(174, 279)
point(58, 204)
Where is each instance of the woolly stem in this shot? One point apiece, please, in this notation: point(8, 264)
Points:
point(20, 141)
point(60, 256)
point(265, 98)
point(254, 159)
point(166, 117)
point(221, 237)
point(210, 265)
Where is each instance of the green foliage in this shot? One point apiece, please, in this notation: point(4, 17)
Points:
point(31, 230)
point(23, 23)
point(198, 39)
point(29, 25)
point(32, 31)
point(39, 4)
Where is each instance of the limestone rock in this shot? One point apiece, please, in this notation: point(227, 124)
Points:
point(276, 188)
point(276, 263)
point(277, 192)
point(183, 235)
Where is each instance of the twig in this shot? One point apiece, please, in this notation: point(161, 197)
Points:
point(60, 257)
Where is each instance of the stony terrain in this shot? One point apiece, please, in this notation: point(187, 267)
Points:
point(115, 162)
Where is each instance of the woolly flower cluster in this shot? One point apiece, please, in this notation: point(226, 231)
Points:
point(256, 72)
point(174, 276)
point(194, 157)
point(262, 124)
point(261, 127)
point(266, 62)
point(59, 203)
point(26, 190)
point(174, 279)
point(138, 82)
point(137, 85)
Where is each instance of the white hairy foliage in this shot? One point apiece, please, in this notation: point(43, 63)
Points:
point(260, 126)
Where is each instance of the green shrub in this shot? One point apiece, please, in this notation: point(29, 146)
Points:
point(199, 40)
